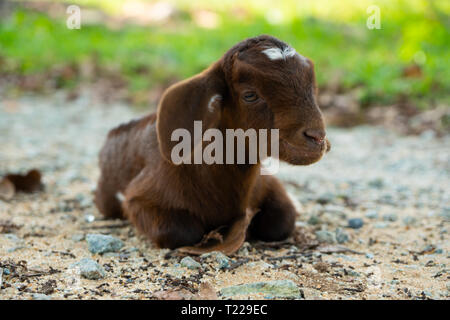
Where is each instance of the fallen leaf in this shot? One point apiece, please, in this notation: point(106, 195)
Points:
point(232, 241)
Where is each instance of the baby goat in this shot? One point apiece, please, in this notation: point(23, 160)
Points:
point(260, 83)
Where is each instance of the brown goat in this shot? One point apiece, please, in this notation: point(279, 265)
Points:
point(260, 83)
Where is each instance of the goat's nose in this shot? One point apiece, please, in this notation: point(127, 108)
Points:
point(317, 135)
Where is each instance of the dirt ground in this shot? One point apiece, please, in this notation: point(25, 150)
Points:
point(396, 186)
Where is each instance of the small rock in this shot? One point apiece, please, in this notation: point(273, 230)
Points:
point(244, 249)
point(89, 218)
point(16, 248)
point(372, 214)
point(381, 225)
point(387, 199)
point(176, 271)
point(445, 213)
point(390, 217)
point(78, 237)
point(190, 263)
point(290, 276)
point(351, 273)
point(40, 296)
point(369, 256)
point(99, 243)
point(220, 260)
point(261, 265)
point(321, 267)
point(313, 220)
point(325, 236)
point(89, 269)
point(427, 293)
point(12, 237)
point(83, 200)
point(276, 288)
point(376, 183)
point(325, 198)
point(341, 235)
point(111, 255)
point(409, 221)
point(311, 294)
point(355, 223)
point(336, 210)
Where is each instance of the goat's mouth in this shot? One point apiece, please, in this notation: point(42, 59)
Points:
point(304, 152)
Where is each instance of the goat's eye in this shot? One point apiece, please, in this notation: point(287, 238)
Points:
point(250, 97)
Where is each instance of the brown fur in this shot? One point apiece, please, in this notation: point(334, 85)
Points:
point(175, 205)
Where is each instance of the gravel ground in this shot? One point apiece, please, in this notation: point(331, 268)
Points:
point(373, 224)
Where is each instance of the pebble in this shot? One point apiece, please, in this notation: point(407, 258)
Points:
point(275, 288)
point(12, 237)
point(390, 217)
point(314, 220)
point(351, 272)
point(190, 263)
point(445, 213)
point(89, 269)
point(219, 260)
point(89, 218)
point(369, 256)
point(325, 198)
point(409, 221)
point(99, 243)
point(355, 223)
point(376, 183)
point(261, 265)
point(176, 271)
point(15, 248)
point(371, 214)
point(336, 210)
point(311, 294)
point(381, 225)
point(78, 237)
point(341, 235)
point(326, 236)
point(40, 296)
point(244, 250)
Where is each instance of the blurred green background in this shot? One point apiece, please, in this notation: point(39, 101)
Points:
point(140, 47)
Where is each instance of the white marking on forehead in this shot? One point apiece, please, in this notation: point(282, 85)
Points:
point(277, 53)
point(287, 52)
point(213, 99)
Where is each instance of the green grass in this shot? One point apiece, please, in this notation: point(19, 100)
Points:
point(343, 49)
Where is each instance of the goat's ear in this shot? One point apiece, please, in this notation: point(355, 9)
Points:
point(196, 99)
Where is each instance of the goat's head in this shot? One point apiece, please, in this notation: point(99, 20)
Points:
point(260, 83)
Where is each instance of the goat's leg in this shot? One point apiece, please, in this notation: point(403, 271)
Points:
point(106, 200)
point(276, 219)
point(166, 228)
